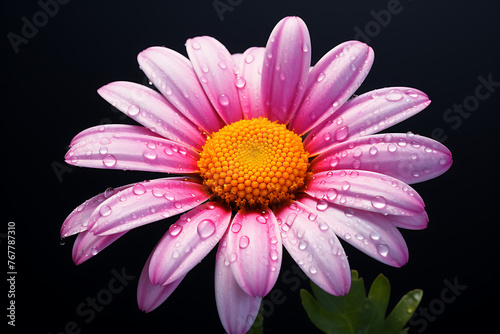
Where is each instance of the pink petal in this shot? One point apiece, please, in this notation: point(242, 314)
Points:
point(188, 241)
point(366, 190)
point(237, 310)
point(150, 296)
point(255, 251)
point(147, 202)
point(130, 147)
point(372, 233)
point(88, 245)
point(216, 71)
point(315, 247)
point(407, 157)
point(249, 83)
point(154, 111)
point(237, 57)
point(285, 69)
point(366, 114)
point(417, 222)
point(78, 220)
point(175, 78)
point(331, 82)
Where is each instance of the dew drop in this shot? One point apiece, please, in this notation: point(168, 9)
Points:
point(322, 205)
point(249, 59)
point(302, 245)
point(312, 216)
point(383, 250)
point(168, 151)
point(394, 97)
point(206, 228)
point(105, 210)
point(196, 45)
point(175, 229)
point(139, 189)
point(320, 77)
point(223, 100)
point(236, 227)
point(334, 162)
point(109, 160)
point(374, 235)
point(332, 194)
point(342, 133)
point(274, 254)
point(373, 151)
point(323, 226)
point(149, 154)
point(175, 254)
point(443, 161)
point(240, 82)
point(244, 242)
point(261, 219)
point(349, 212)
point(379, 202)
point(133, 110)
point(391, 148)
point(94, 251)
point(313, 270)
point(178, 205)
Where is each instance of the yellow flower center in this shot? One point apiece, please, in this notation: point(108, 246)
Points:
point(254, 163)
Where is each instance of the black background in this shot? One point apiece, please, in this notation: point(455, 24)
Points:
point(439, 47)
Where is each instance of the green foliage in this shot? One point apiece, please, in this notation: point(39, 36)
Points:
point(356, 313)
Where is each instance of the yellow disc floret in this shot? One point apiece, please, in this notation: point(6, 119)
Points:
point(254, 163)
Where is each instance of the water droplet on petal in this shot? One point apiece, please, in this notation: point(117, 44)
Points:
point(374, 235)
point(320, 77)
point(236, 227)
point(244, 242)
point(249, 59)
point(342, 133)
point(322, 205)
point(175, 229)
point(196, 45)
point(323, 226)
point(383, 250)
point(331, 194)
point(94, 251)
point(105, 210)
point(149, 154)
point(443, 161)
point(133, 110)
point(223, 100)
point(302, 245)
point(379, 202)
point(394, 97)
point(109, 160)
point(139, 189)
point(391, 148)
point(373, 151)
point(261, 219)
point(274, 254)
point(240, 82)
point(312, 216)
point(313, 270)
point(206, 228)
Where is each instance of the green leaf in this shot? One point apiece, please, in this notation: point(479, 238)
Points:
point(403, 311)
point(357, 313)
point(326, 321)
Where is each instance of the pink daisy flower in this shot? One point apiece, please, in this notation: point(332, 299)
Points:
point(274, 154)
